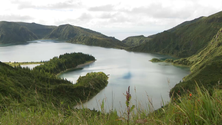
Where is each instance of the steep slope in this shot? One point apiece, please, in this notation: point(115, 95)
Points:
point(39, 30)
point(206, 68)
point(13, 33)
point(39, 87)
point(135, 40)
point(20, 32)
point(80, 35)
point(185, 39)
point(67, 32)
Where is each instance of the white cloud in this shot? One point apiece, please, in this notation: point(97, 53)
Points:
point(113, 18)
point(39, 4)
point(102, 8)
point(15, 18)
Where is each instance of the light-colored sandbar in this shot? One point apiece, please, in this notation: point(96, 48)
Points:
point(77, 67)
point(22, 63)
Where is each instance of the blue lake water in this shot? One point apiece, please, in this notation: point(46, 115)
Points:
point(147, 80)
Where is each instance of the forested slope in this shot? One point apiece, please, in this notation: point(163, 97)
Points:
point(135, 40)
point(39, 30)
point(74, 34)
point(41, 88)
point(64, 62)
point(13, 33)
point(206, 68)
point(21, 32)
point(185, 39)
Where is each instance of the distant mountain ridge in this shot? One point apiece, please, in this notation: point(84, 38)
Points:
point(198, 43)
point(13, 33)
point(185, 39)
point(67, 32)
point(136, 40)
point(39, 30)
point(79, 35)
point(21, 32)
point(205, 66)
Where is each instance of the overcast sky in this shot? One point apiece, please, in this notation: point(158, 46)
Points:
point(117, 18)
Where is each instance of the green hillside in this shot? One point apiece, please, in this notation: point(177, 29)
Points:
point(64, 62)
point(38, 97)
point(30, 97)
point(39, 86)
point(74, 34)
point(21, 32)
point(135, 40)
point(13, 33)
point(39, 30)
point(67, 32)
point(43, 97)
point(185, 39)
point(205, 66)
point(98, 41)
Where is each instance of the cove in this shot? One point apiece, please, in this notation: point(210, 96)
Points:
point(147, 80)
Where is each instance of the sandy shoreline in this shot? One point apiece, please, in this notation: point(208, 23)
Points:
point(84, 64)
point(22, 63)
point(77, 67)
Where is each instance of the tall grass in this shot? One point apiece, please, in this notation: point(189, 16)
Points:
point(190, 109)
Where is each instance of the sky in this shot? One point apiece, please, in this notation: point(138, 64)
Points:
point(116, 18)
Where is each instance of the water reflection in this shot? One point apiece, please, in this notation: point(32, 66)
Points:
point(147, 80)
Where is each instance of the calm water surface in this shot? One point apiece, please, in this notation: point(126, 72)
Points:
point(146, 79)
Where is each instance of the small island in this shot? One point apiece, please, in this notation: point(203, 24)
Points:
point(65, 62)
point(156, 60)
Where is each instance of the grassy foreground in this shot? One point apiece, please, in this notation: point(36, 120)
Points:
point(191, 109)
point(36, 96)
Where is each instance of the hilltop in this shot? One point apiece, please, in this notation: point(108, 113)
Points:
point(21, 32)
point(205, 66)
point(41, 86)
point(38, 97)
point(39, 30)
point(197, 43)
point(136, 40)
point(13, 33)
point(79, 35)
point(185, 39)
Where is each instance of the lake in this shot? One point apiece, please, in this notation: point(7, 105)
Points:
point(147, 80)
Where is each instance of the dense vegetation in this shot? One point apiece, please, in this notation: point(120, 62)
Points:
point(192, 109)
point(13, 33)
point(97, 41)
point(64, 62)
point(41, 96)
point(91, 84)
point(185, 39)
point(40, 86)
point(199, 43)
point(136, 40)
point(31, 87)
point(155, 60)
point(205, 66)
point(31, 96)
point(74, 34)
point(39, 30)
point(67, 32)
point(30, 92)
